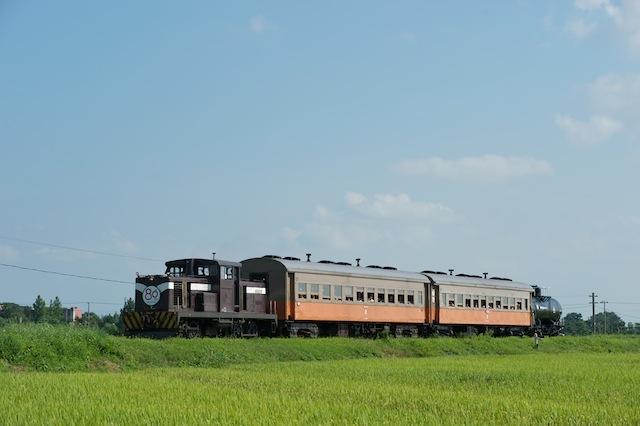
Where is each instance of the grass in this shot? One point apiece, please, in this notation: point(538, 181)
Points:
point(536, 388)
point(61, 348)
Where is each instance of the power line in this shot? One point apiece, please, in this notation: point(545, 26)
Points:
point(45, 271)
point(82, 250)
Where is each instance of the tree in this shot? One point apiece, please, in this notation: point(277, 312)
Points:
point(614, 324)
point(574, 324)
point(55, 314)
point(39, 309)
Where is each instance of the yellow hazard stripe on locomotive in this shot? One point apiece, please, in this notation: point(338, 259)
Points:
point(150, 320)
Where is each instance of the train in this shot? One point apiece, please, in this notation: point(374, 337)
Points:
point(287, 296)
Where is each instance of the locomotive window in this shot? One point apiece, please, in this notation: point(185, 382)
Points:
point(226, 272)
point(380, 295)
point(359, 294)
point(314, 292)
point(401, 296)
point(348, 294)
point(410, 297)
point(420, 298)
point(483, 303)
point(326, 292)
point(176, 271)
point(371, 298)
point(467, 302)
point(337, 292)
point(203, 270)
point(391, 296)
point(459, 300)
point(302, 291)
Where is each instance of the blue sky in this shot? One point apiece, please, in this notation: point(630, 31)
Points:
point(487, 137)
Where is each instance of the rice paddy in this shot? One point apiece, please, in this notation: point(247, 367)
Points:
point(535, 388)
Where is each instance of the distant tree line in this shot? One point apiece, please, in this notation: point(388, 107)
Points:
point(55, 313)
point(609, 323)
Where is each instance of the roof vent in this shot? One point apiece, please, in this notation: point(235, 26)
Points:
point(326, 261)
point(291, 258)
point(271, 256)
point(468, 276)
point(434, 272)
point(485, 275)
point(374, 266)
point(308, 257)
point(451, 271)
point(501, 279)
point(358, 261)
point(390, 268)
point(343, 263)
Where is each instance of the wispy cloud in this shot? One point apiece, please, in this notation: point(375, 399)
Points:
point(259, 24)
point(381, 219)
point(485, 168)
point(596, 130)
point(397, 206)
point(616, 94)
point(8, 253)
point(625, 17)
point(580, 28)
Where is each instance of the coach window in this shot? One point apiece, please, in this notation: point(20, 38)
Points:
point(526, 305)
point(371, 295)
point(483, 302)
point(490, 302)
point(314, 292)
point(451, 300)
point(443, 299)
point(401, 296)
point(467, 301)
point(476, 302)
point(359, 294)
point(302, 290)
point(410, 297)
point(512, 303)
point(380, 294)
point(505, 303)
point(459, 298)
point(326, 292)
point(337, 293)
point(420, 302)
point(391, 296)
point(348, 294)
point(519, 304)
point(498, 303)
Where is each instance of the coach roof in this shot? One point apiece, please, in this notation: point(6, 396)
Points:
point(441, 279)
point(335, 269)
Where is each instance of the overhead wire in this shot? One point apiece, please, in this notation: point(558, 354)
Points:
point(77, 249)
point(64, 274)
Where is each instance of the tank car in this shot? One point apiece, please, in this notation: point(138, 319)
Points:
point(546, 314)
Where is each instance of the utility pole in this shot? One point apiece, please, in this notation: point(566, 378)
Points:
point(604, 305)
point(593, 311)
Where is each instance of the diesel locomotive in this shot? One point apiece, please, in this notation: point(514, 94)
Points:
point(270, 295)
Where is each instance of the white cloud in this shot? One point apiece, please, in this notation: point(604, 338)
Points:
point(8, 253)
point(259, 24)
point(397, 206)
point(580, 28)
point(625, 17)
point(597, 130)
point(382, 220)
point(487, 168)
point(616, 94)
point(121, 244)
point(290, 235)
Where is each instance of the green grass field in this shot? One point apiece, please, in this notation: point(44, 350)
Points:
point(56, 375)
point(538, 388)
